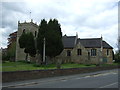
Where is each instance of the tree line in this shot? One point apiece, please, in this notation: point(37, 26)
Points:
point(51, 32)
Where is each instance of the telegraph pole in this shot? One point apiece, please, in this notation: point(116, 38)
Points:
point(44, 50)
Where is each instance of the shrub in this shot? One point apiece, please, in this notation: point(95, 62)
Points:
point(37, 65)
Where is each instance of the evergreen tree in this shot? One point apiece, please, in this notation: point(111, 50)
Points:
point(23, 43)
point(22, 40)
point(54, 44)
point(53, 35)
point(27, 42)
point(117, 57)
point(30, 44)
point(41, 35)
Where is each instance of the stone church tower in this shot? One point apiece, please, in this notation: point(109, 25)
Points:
point(24, 27)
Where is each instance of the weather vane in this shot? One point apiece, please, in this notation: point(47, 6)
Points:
point(30, 15)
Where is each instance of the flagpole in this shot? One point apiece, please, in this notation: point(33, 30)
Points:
point(30, 15)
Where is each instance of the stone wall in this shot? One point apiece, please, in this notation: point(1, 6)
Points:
point(79, 58)
point(36, 74)
point(109, 57)
point(64, 57)
point(83, 59)
point(95, 59)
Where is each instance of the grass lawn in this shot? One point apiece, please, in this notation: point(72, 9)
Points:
point(20, 66)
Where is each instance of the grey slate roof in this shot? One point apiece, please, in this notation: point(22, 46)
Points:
point(69, 42)
point(93, 43)
point(106, 45)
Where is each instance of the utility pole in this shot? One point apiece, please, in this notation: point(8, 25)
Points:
point(44, 50)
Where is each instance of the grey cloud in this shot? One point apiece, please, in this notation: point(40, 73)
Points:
point(14, 6)
point(62, 10)
point(11, 13)
point(7, 31)
point(119, 12)
point(50, 12)
point(94, 23)
point(87, 19)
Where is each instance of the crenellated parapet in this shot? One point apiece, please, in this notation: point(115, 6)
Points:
point(26, 23)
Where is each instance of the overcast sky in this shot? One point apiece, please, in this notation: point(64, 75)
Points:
point(89, 18)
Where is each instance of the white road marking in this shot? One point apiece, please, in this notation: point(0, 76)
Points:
point(87, 76)
point(32, 83)
point(108, 85)
point(79, 78)
point(103, 74)
point(21, 84)
point(62, 79)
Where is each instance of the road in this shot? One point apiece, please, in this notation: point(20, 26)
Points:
point(100, 79)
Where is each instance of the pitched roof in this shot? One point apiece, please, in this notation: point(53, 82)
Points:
point(68, 41)
point(93, 43)
point(106, 45)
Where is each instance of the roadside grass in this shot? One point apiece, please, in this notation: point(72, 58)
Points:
point(22, 66)
point(25, 67)
point(69, 65)
point(8, 63)
point(110, 64)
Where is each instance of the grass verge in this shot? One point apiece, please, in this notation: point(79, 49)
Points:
point(22, 65)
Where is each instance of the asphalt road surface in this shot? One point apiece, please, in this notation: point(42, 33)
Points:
point(100, 79)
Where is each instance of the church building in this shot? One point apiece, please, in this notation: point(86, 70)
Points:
point(88, 50)
point(76, 50)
